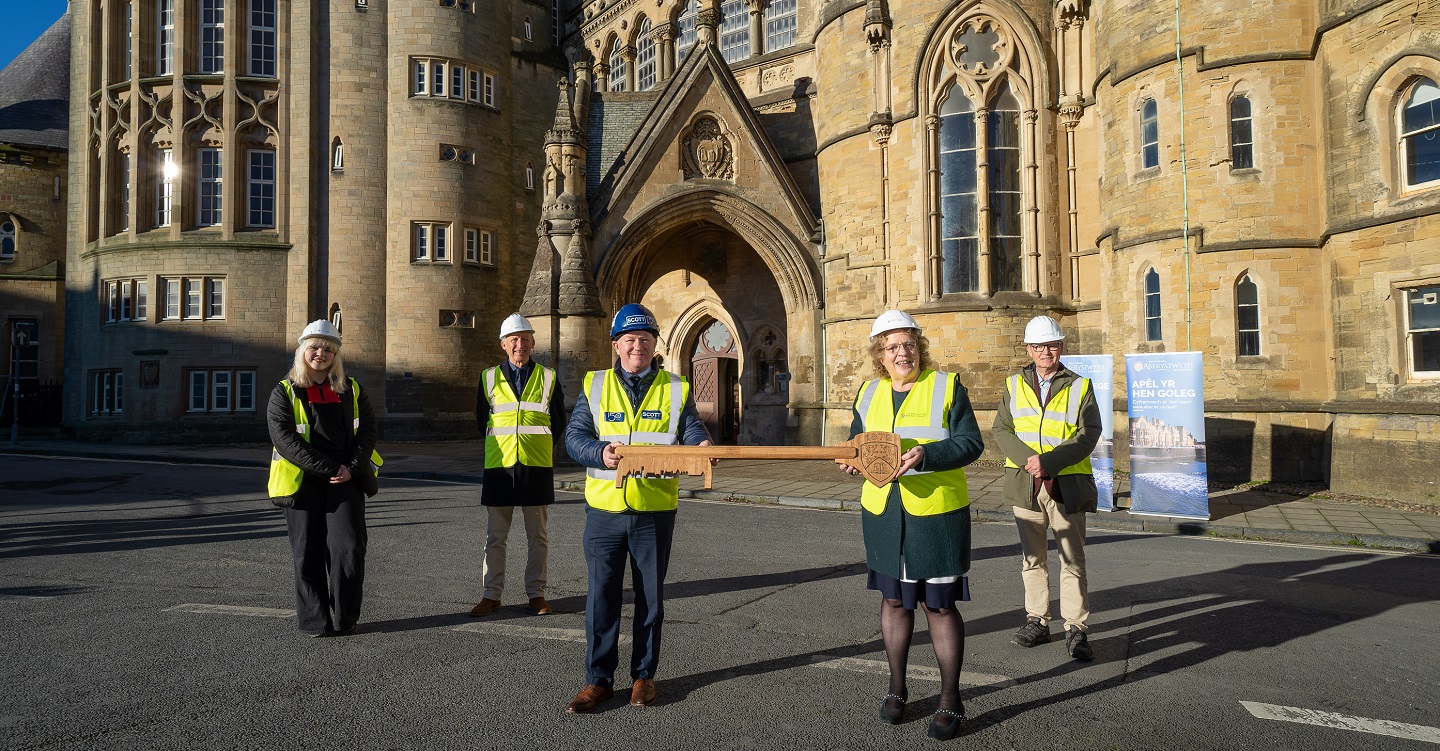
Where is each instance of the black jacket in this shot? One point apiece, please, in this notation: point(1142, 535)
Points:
point(351, 447)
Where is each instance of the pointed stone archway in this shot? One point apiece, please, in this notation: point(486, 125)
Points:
point(717, 304)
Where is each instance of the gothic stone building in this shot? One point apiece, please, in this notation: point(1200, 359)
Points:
point(769, 175)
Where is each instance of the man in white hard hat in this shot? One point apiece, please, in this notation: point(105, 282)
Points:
point(1046, 426)
point(519, 408)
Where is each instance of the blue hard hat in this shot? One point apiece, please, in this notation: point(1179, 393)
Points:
point(634, 317)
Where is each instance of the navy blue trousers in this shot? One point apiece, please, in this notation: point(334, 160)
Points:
point(327, 541)
point(610, 539)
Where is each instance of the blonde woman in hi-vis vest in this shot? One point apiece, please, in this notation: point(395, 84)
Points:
point(917, 527)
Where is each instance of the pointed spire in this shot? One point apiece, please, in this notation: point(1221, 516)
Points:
point(564, 130)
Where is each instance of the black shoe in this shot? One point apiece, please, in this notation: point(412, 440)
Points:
point(892, 709)
point(350, 630)
point(324, 632)
point(1078, 645)
point(1032, 633)
point(946, 723)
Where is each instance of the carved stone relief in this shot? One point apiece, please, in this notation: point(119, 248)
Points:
point(706, 152)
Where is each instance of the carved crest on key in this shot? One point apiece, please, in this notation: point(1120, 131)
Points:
point(875, 454)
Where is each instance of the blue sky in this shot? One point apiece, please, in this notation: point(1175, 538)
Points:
point(25, 20)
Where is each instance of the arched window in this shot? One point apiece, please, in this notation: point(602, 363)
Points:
point(780, 26)
point(1420, 133)
point(959, 235)
point(734, 30)
point(617, 67)
point(1002, 151)
point(1149, 135)
point(7, 238)
point(529, 176)
point(337, 155)
point(1247, 318)
point(529, 29)
point(644, 58)
point(1152, 306)
point(961, 203)
point(685, 26)
point(1242, 134)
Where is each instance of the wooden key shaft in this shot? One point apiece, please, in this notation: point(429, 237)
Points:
point(875, 454)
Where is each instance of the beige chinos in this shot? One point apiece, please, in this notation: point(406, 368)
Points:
point(538, 545)
point(1035, 571)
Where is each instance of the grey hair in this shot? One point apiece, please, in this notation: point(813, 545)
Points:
point(300, 373)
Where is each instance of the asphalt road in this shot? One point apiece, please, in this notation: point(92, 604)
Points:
point(145, 606)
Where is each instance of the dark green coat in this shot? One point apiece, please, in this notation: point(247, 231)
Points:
point(933, 546)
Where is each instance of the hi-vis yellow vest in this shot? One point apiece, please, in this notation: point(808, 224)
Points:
point(656, 424)
point(924, 418)
point(1044, 428)
point(284, 476)
point(519, 430)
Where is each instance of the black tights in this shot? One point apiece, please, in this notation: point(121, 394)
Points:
point(947, 635)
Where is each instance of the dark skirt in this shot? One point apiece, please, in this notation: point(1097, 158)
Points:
point(934, 595)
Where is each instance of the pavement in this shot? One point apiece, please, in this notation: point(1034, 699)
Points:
point(1259, 513)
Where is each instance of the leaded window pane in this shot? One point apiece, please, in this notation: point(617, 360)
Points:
point(685, 36)
point(780, 24)
point(959, 208)
point(644, 58)
point(734, 31)
point(1002, 129)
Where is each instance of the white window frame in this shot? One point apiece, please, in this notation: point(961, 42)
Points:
point(214, 303)
point(124, 219)
point(617, 67)
point(472, 245)
point(129, 39)
point(488, 97)
point(192, 297)
point(529, 176)
point(734, 32)
point(645, 58)
point(1159, 316)
point(1429, 292)
point(264, 23)
point(781, 24)
point(1144, 144)
point(474, 75)
point(165, 188)
point(1430, 131)
point(421, 78)
point(194, 379)
point(1240, 330)
point(210, 186)
point(1249, 122)
point(220, 390)
point(529, 30)
point(439, 76)
point(430, 242)
point(488, 241)
point(244, 391)
point(222, 387)
point(107, 396)
point(257, 187)
point(212, 36)
point(164, 37)
point(457, 81)
point(172, 298)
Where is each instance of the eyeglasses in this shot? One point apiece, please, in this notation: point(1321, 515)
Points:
point(895, 349)
point(1044, 347)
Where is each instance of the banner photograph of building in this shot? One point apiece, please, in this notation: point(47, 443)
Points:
point(767, 176)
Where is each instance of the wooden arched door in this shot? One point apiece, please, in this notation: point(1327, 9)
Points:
point(715, 381)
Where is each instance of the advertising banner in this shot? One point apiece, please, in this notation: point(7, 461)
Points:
point(1100, 369)
point(1167, 435)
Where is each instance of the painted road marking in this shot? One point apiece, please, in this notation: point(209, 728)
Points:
point(197, 607)
point(1343, 722)
point(576, 635)
point(16, 598)
point(922, 673)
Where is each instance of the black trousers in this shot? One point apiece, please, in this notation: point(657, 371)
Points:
point(327, 541)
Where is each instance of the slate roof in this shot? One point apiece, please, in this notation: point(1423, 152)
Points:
point(35, 92)
point(614, 118)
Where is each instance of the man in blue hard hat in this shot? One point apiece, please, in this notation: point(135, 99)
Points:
point(633, 402)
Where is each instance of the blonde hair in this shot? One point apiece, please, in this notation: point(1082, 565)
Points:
point(300, 373)
point(877, 347)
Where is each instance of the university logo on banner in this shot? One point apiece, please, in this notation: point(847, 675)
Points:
point(1100, 369)
point(1167, 435)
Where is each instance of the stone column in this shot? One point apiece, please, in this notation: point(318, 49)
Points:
point(628, 54)
point(757, 27)
point(707, 26)
point(664, 36)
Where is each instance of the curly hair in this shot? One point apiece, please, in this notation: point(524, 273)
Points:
point(877, 348)
point(300, 373)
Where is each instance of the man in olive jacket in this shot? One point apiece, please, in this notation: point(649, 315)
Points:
point(1046, 426)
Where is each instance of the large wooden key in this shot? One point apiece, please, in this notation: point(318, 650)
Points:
point(876, 454)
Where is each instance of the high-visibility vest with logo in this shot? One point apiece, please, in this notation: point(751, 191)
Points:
point(924, 418)
point(1044, 428)
point(519, 430)
point(657, 423)
point(285, 477)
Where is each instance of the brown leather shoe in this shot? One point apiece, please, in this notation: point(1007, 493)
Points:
point(589, 699)
point(643, 693)
point(484, 607)
point(539, 606)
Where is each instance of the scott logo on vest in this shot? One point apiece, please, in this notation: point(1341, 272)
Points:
point(650, 414)
point(614, 417)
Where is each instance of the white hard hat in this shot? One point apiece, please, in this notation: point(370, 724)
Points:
point(1043, 329)
point(515, 324)
point(321, 329)
point(891, 320)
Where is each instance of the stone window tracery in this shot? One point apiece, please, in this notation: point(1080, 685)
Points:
point(9, 240)
point(981, 90)
point(1420, 133)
